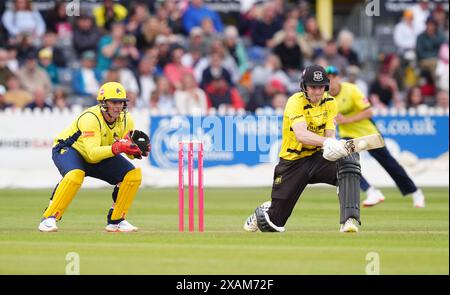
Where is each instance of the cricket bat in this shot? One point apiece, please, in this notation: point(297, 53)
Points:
point(364, 143)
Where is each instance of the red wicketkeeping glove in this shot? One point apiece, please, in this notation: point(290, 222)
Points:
point(127, 147)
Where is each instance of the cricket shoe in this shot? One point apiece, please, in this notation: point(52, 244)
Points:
point(418, 199)
point(374, 197)
point(350, 226)
point(48, 225)
point(123, 226)
point(251, 224)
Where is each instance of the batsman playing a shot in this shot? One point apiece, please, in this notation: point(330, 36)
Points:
point(354, 120)
point(310, 154)
point(91, 146)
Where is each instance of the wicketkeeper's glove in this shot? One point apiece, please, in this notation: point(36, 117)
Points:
point(142, 141)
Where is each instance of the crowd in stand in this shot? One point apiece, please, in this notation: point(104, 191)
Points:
point(181, 55)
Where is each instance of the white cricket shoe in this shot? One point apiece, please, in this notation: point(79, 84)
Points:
point(123, 226)
point(418, 199)
point(250, 224)
point(48, 225)
point(374, 197)
point(350, 226)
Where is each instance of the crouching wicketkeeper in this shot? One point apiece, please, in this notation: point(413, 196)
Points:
point(91, 146)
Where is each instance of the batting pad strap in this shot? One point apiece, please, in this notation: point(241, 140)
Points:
point(127, 191)
point(64, 194)
point(264, 223)
point(349, 177)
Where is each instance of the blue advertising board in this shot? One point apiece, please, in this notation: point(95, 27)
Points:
point(251, 140)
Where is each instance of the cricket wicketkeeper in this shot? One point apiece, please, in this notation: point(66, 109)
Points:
point(310, 154)
point(91, 146)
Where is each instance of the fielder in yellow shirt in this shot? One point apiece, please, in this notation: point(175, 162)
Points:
point(308, 127)
point(91, 146)
point(354, 120)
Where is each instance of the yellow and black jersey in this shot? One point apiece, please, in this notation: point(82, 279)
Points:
point(318, 118)
point(95, 135)
point(350, 101)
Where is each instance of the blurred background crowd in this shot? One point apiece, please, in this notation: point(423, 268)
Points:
point(188, 56)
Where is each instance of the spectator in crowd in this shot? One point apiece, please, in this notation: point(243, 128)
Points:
point(291, 24)
point(85, 34)
point(162, 97)
point(279, 101)
point(190, 99)
point(137, 16)
point(314, 37)
point(32, 76)
point(3, 104)
point(23, 19)
point(16, 95)
point(236, 49)
point(110, 45)
point(25, 47)
point(5, 72)
point(163, 49)
point(109, 13)
point(290, 53)
point(414, 97)
point(216, 70)
point(46, 62)
point(223, 96)
point(442, 69)
point(345, 41)
point(86, 79)
point(209, 32)
point(196, 13)
point(262, 75)
point(60, 99)
point(49, 41)
point(421, 12)
point(330, 53)
point(263, 29)
point(441, 19)
point(197, 42)
point(404, 34)
point(427, 87)
point(12, 62)
point(353, 76)
point(392, 65)
point(148, 33)
point(146, 78)
point(442, 99)
point(172, 12)
point(39, 97)
point(427, 47)
point(126, 76)
point(175, 70)
point(58, 21)
point(384, 91)
point(264, 96)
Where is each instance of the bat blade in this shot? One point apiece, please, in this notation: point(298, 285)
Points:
point(364, 143)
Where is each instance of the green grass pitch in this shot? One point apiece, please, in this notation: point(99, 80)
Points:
point(407, 240)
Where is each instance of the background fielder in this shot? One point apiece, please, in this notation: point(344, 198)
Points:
point(354, 120)
point(308, 126)
point(91, 146)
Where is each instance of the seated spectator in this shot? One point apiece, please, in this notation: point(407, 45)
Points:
point(392, 65)
point(414, 97)
point(427, 47)
point(404, 34)
point(163, 49)
point(262, 75)
point(162, 97)
point(345, 41)
point(292, 24)
point(58, 21)
point(109, 13)
point(172, 12)
point(330, 53)
point(146, 38)
point(137, 16)
point(353, 73)
point(13, 62)
point(60, 99)
point(33, 77)
point(126, 76)
point(236, 49)
point(24, 47)
point(23, 19)
point(3, 104)
point(290, 53)
point(5, 72)
point(112, 44)
point(384, 92)
point(46, 62)
point(421, 11)
point(441, 18)
point(39, 97)
point(215, 70)
point(16, 95)
point(175, 70)
point(264, 96)
point(196, 42)
point(86, 79)
point(279, 101)
point(313, 36)
point(442, 69)
point(442, 99)
point(85, 34)
point(223, 96)
point(196, 13)
point(146, 78)
point(190, 99)
point(263, 29)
